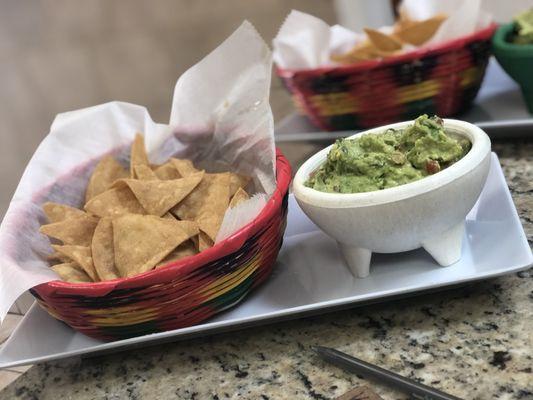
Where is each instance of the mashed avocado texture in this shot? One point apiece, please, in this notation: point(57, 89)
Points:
point(391, 158)
point(524, 28)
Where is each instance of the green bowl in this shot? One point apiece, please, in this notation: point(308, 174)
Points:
point(516, 60)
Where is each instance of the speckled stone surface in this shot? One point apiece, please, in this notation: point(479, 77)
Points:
point(474, 342)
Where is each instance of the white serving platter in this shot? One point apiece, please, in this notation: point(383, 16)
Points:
point(310, 278)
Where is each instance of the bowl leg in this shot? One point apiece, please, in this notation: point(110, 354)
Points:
point(357, 259)
point(446, 247)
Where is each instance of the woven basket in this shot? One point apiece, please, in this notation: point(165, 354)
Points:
point(441, 80)
point(182, 294)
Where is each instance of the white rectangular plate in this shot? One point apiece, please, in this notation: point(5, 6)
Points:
point(310, 278)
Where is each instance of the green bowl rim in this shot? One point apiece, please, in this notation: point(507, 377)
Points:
point(499, 41)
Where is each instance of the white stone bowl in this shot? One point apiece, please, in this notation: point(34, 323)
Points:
point(428, 213)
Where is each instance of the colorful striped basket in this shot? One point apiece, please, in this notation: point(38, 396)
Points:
point(182, 294)
point(442, 80)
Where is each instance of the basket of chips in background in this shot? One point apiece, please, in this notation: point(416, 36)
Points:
point(141, 258)
point(392, 76)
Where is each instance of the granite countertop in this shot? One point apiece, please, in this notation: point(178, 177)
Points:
point(474, 342)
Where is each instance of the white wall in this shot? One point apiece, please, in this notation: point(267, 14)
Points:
point(504, 10)
point(357, 14)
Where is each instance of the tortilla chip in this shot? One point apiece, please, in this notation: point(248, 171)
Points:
point(419, 32)
point(186, 249)
point(383, 41)
point(81, 255)
point(119, 184)
point(184, 167)
point(206, 204)
point(74, 231)
point(138, 154)
point(212, 193)
point(402, 20)
point(209, 222)
point(189, 227)
point(361, 52)
point(58, 212)
point(169, 215)
point(107, 171)
point(204, 241)
point(144, 173)
point(167, 171)
point(157, 197)
point(102, 250)
point(237, 181)
point(238, 198)
point(56, 256)
point(142, 241)
point(70, 272)
point(115, 201)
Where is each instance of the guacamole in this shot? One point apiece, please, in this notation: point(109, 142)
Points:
point(524, 28)
point(391, 158)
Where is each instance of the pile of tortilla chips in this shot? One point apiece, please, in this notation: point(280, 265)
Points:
point(405, 34)
point(137, 220)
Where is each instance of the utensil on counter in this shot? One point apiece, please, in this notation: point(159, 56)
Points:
point(414, 389)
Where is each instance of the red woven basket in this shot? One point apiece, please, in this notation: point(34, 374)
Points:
point(182, 294)
point(442, 80)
